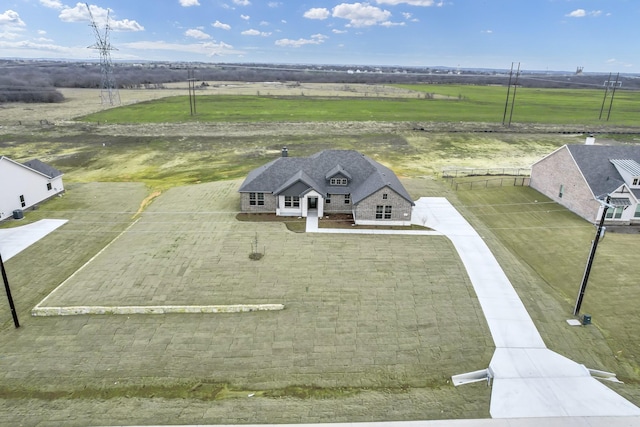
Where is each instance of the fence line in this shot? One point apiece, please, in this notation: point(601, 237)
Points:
point(459, 172)
point(493, 182)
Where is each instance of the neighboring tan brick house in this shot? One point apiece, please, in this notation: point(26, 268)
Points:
point(328, 182)
point(579, 177)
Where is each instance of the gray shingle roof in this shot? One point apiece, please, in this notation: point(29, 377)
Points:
point(43, 168)
point(595, 164)
point(366, 175)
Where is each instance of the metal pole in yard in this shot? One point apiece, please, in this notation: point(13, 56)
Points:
point(592, 255)
point(8, 290)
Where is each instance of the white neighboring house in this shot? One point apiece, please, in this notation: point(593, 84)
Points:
point(24, 185)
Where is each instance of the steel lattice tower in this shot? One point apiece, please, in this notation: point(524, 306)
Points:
point(109, 94)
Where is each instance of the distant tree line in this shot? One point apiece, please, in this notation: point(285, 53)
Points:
point(36, 81)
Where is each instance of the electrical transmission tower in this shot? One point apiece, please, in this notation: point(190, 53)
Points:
point(109, 94)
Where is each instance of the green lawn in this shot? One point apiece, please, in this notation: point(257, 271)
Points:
point(457, 103)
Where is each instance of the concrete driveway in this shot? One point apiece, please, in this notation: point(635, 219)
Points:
point(529, 380)
point(15, 240)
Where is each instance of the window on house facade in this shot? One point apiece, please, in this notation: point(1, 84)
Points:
point(561, 192)
point(383, 212)
point(615, 213)
point(291, 201)
point(328, 198)
point(48, 186)
point(347, 199)
point(384, 196)
point(256, 199)
point(636, 181)
point(22, 202)
point(338, 181)
point(637, 213)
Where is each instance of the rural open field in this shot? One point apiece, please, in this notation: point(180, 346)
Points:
point(373, 326)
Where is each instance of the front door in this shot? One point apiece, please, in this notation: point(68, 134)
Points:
point(313, 203)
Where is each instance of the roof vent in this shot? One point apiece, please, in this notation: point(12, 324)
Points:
point(285, 152)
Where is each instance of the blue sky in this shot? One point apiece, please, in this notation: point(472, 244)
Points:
point(601, 35)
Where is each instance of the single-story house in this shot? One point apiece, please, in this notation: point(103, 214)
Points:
point(26, 184)
point(580, 177)
point(328, 182)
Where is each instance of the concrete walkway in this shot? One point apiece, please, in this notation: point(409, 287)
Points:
point(529, 380)
point(15, 240)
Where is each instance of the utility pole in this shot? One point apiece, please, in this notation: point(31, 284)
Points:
point(9, 297)
point(606, 92)
point(513, 100)
point(192, 91)
point(613, 94)
point(592, 255)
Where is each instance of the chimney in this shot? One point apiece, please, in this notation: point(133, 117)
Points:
point(285, 152)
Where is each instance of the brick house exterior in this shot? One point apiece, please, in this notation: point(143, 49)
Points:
point(579, 177)
point(328, 182)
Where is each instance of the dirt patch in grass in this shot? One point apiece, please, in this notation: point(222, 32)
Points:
point(345, 221)
point(295, 224)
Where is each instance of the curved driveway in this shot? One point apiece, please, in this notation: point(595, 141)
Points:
point(529, 380)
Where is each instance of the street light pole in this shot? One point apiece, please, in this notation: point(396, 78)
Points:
point(6, 287)
point(592, 255)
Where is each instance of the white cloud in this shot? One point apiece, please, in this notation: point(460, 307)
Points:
point(188, 3)
point(242, 2)
point(79, 13)
point(253, 32)
point(27, 45)
point(336, 31)
point(274, 4)
point(410, 2)
point(578, 13)
point(487, 31)
point(245, 17)
point(52, 4)
point(361, 14)
point(581, 13)
point(317, 13)
point(197, 34)
point(220, 25)
point(392, 24)
point(11, 18)
point(315, 39)
point(211, 48)
point(9, 35)
point(125, 25)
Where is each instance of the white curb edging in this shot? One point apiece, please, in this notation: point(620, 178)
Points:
point(154, 309)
